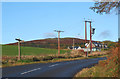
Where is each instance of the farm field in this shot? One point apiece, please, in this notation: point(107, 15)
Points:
point(11, 50)
point(32, 55)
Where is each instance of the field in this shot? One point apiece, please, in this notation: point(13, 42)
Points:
point(10, 50)
point(40, 55)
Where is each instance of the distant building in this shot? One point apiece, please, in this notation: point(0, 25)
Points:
point(75, 47)
point(95, 47)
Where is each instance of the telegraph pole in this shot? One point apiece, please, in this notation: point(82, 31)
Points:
point(85, 31)
point(58, 40)
point(103, 45)
point(90, 37)
point(92, 31)
point(73, 43)
point(90, 34)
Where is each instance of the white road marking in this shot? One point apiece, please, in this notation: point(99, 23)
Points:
point(30, 71)
point(53, 65)
point(35, 69)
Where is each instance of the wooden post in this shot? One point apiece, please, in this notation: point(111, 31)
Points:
point(103, 45)
point(85, 31)
point(58, 40)
point(19, 52)
point(73, 44)
point(58, 43)
point(90, 38)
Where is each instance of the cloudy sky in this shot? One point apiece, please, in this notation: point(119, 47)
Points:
point(38, 20)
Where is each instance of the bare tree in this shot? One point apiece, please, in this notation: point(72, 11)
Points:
point(104, 7)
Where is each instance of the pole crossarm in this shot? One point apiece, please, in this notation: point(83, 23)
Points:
point(89, 21)
point(58, 31)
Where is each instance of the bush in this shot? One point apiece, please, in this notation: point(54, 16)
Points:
point(11, 61)
point(54, 57)
point(47, 58)
point(61, 57)
point(25, 61)
point(35, 59)
point(4, 62)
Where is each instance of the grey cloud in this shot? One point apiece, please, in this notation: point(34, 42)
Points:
point(105, 34)
point(48, 35)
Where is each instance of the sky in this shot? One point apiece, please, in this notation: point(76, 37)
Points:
point(38, 20)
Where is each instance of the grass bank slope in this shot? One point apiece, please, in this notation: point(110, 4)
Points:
point(106, 68)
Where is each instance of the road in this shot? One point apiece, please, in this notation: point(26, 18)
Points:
point(58, 69)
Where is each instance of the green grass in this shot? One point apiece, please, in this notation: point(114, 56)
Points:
point(99, 71)
point(10, 50)
point(105, 68)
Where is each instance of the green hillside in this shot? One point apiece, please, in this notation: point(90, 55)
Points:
point(10, 50)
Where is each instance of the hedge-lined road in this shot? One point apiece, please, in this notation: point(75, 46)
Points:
point(58, 69)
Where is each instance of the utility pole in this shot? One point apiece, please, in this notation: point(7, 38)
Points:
point(19, 52)
point(85, 31)
point(103, 45)
point(73, 43)
point(90, 37)
point(90, 34)
point(58, 40)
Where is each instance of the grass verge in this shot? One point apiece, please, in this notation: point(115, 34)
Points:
point(106, 68)
point(29, 61)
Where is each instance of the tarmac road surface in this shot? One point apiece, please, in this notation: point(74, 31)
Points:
point(58, 69)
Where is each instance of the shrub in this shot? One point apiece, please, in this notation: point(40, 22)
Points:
point(11, 61)
point(47, 58)
point(4, 62)
point(61, 57)
point(25, 61)
point(105, 68)
point(36, 59)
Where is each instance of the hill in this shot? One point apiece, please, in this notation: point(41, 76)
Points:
point(53, 43)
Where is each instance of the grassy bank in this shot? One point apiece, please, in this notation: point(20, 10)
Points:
point(13, 62)
point(106, 68)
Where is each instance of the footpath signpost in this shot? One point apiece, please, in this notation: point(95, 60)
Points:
point(19, 52)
